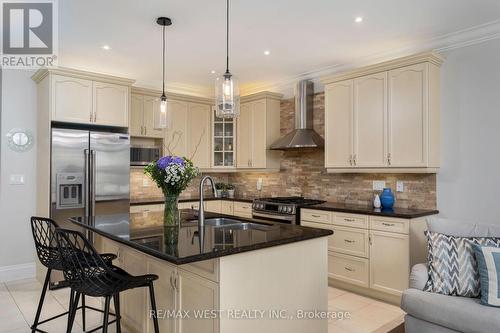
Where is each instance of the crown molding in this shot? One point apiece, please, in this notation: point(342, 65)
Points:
point(171, 95)
point(441, 44)
point(261, 95)
point(80, 74)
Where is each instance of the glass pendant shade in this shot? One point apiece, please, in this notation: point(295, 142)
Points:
point(227, 96)
point(162, 121)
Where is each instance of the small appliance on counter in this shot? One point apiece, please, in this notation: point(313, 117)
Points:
point(281, 209)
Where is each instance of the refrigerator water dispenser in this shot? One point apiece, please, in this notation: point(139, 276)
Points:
point(70, 190)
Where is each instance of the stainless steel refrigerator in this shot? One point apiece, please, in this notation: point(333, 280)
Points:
point(90, 175)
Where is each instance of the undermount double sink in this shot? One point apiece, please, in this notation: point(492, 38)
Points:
point(233, 224)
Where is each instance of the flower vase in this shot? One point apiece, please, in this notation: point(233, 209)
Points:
point(171, 215)
point(171, 239)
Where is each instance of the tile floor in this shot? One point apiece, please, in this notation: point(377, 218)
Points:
point(19, 299)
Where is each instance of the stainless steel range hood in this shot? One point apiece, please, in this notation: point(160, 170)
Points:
point(303, 136)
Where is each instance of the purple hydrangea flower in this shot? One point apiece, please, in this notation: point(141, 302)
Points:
point(165, 161)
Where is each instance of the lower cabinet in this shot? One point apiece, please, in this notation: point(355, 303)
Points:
point(189, 288)
point(372, 252)
point(389, 262)
point(214, 206)
point(198, 296)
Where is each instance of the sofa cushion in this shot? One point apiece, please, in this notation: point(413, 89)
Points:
point(462, 228)
point(452, 265)
point(457, 313)
point(488, 260)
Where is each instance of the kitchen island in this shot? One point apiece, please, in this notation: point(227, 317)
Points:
point(231, 276)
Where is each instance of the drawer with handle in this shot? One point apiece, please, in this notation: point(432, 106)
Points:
point(351, 220)
point(350, 241)
point(401, 226)
point(317, 216)
point(348, 268)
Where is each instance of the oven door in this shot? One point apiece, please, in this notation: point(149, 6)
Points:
point(275, 217)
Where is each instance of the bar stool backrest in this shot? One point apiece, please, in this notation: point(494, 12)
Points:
point(44, 235)
point(82, 264)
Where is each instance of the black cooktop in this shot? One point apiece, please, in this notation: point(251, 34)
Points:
point(293, 201)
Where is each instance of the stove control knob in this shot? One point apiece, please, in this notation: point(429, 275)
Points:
point(280, 209)
point(288, 209)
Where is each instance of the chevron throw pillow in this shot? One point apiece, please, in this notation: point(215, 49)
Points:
point(453, 269)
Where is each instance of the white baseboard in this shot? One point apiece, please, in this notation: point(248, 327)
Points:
point(17, 272)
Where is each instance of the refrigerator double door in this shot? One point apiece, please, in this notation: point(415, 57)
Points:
point(90, 174)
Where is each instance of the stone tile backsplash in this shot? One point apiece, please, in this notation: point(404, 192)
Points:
point(303, 173)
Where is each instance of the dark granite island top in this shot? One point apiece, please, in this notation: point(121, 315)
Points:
point(180, 245)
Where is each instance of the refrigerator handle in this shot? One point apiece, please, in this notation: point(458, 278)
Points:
point(93, 181)
point(87, 183)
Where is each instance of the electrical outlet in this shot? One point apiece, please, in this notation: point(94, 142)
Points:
point(378, 185)
point(259, 184)
point(145, 181)
point(400, 186)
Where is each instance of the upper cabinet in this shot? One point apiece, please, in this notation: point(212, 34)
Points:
point(85, 98)
point(223, 144)
point(384, 118)
point(258, 126)
point(142, 116)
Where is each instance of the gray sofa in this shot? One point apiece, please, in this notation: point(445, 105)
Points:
point(434, 313)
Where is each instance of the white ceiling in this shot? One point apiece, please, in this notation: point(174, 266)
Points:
point(303, 36)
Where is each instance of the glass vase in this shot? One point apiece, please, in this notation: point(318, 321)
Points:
point(171, 215)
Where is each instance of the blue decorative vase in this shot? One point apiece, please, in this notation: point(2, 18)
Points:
point(387, 198)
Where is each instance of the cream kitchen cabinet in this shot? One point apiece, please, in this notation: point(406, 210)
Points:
point(258, 126)
point(165, 294)
point(110, 104)
point(370, 254)
point(214, 206)
point(385, 117)
point(196, 294)
point(84, 97)
point(189, 132)
point(389, 262)
point(142, 116)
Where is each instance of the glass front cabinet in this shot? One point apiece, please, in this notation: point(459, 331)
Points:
point(223, 142)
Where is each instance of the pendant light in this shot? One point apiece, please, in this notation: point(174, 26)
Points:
point(161, 121)
point(227, 93)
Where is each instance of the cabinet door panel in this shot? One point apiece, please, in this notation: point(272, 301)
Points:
point(136, 115)
point(165, 294)
point(338, 124)
point(389, 262)
point(370, 117)
point(408, 116)
point(133, 302)
point(199, 134)
point(214, 206)
point(244, 134)
point(258, 158)
point(348, 268)
point(196, 294)
point(151, 107)
point(176, 135)
point(71, 100)
point(111, 104)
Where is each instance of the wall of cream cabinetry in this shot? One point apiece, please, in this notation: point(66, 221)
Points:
point(385, 117)
point(228, 207)
point(85, 98)
point(370, 254)
point(257, 128)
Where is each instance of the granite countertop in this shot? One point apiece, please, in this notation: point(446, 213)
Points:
point(405, 213)
point(160, 200)
point(180, 245)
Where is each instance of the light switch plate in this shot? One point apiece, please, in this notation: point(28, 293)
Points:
point(400, 186)
point(16, 179)
point(378, 185)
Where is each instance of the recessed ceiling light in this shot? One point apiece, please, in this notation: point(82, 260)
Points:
point(106, 47)
point(212, 71)
point(358, 19)
point(267, 52)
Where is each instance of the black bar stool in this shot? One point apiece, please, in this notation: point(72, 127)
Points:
point(43, 230)
point(91, 275)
